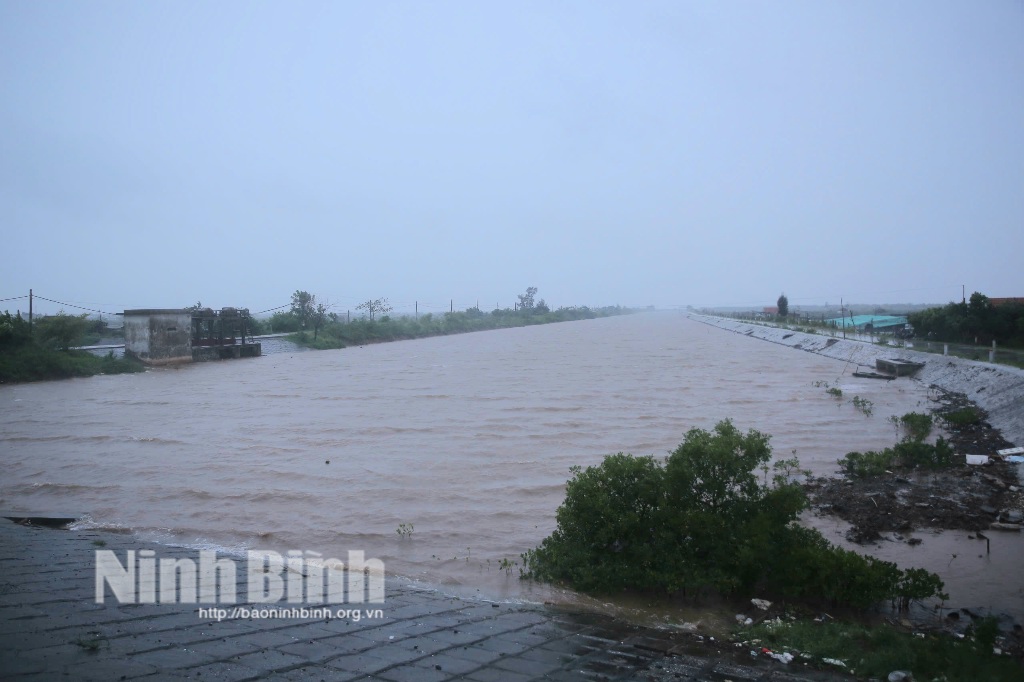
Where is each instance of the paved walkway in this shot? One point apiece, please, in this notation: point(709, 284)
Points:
point(51, 628)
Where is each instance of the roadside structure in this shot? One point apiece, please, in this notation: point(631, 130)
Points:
point(159, 336)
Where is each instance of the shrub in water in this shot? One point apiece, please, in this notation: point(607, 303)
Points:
point(966, 416)
point(917, 426)
point(867, 464)
point(703, 522)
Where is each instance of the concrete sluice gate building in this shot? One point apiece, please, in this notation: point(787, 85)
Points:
point(166, 336)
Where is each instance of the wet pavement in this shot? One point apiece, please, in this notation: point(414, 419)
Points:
point(51, 627)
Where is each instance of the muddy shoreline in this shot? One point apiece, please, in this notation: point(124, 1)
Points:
point(985, 498)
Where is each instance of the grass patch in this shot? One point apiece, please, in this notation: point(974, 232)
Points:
point(907, 454)
point(910, 453)
point(917, 426)
point(876, 651)
point(966, 416)
point(30, 362)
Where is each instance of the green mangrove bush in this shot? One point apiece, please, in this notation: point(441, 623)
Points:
point(701, 522)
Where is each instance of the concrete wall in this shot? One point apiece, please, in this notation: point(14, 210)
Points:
point(158, 336)
point(248, 350)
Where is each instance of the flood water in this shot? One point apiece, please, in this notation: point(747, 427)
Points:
point(468, 439)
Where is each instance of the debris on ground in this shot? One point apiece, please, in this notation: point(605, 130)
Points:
point(965, 497)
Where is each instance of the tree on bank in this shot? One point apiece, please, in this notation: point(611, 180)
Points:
point(783, 304)
point(318, 317)
point(303, 307)
point(526, 300)
point(375, 306)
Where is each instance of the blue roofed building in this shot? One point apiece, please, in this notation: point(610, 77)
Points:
point(875, 322)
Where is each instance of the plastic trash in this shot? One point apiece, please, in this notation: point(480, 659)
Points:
point(762, 604)
point(900, 676)
point(977, 459)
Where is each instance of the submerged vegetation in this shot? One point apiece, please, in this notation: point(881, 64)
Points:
point(337, 331)
point(44, 351)
point(911, 452)
point(700, 522)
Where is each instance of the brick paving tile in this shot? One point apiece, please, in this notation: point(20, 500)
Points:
point(528, 666)
point(412, 673)
point(497, 675)
point(365, 663)
point(222, 671)
point(450, 664)
point(475, 654)
point(51, 628)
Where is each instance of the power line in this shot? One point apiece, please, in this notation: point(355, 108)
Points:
point(13, 298)
point(72, 305)
point(286, 305)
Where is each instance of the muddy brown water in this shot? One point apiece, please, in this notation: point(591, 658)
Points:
point(468, 439)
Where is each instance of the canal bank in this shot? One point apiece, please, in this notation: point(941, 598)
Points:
point(997, 389)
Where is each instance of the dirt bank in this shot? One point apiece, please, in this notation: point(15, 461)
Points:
point(965, 497)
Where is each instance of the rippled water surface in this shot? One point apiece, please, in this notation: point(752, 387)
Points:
point(468, 438)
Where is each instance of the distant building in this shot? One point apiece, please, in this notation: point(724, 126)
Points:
point(864, 322)
point(166, 336)
point(1005, 301)
point(771, 310)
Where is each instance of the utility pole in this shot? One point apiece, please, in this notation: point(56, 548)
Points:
point(452, 303)
point(30, 312)
point(842, 316)
point(963, 292)
point(417, 310)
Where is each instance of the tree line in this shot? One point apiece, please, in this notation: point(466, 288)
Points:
point(977, 321)
point(314, 322)
point(43, 350)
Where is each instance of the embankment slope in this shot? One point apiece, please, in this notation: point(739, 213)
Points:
point(997, 389)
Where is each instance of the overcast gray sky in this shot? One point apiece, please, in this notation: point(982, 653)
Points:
point(157, 153)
